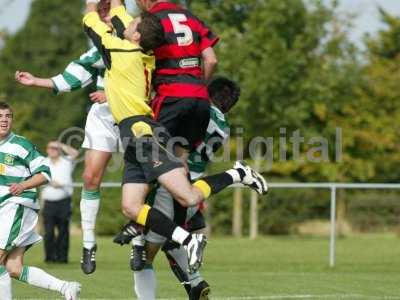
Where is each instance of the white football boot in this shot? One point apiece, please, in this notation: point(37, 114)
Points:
point(195, 250)
point(252, 179)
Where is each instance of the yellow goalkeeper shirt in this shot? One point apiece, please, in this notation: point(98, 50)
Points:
point(129, 70)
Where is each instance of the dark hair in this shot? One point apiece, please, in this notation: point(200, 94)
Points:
point(224, 93)
point(151, 32)
point(4, 105)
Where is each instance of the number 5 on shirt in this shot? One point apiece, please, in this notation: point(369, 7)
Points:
point(187, 38)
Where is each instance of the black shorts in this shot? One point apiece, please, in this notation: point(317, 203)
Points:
point(186, 118)
point(146, 150)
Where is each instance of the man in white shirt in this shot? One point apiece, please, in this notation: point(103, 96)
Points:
point(57, 201)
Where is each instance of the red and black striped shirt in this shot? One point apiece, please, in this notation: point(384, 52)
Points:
point(178, 62)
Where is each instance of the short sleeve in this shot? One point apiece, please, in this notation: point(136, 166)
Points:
point(37, 163)
point(207, 37)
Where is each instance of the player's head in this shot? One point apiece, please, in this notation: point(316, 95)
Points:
point(224, 93)
point(53, 149)
point(6, 119)
point(146, 5)
point(147, 31)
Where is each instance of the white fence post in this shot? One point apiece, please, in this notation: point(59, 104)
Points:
point(332, 248)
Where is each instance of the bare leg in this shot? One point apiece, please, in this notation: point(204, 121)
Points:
point(95, 165)
point(133, 196)
point(177, 183)
point(187, 194)
point(37, 277)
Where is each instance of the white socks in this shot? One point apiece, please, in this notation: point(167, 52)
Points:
point(145, 284)
point(39, 278)
point(32, 276)
point(179, 235)
point(90, 204)
point(5, 284)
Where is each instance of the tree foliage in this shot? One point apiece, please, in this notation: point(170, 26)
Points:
point(51, 37)
point(296, 68)
point(377, 115)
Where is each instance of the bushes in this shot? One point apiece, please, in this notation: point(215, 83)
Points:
point(279, 212)
point(373, 211)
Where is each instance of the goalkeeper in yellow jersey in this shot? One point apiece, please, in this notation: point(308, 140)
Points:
point(129, 65)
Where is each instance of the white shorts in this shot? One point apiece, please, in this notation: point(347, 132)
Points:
point(18, 224)
point(164, 202)
point(101, 131)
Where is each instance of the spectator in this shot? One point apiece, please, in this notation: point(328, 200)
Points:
point(57, 201)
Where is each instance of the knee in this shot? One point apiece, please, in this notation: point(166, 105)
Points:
point(131, 212)
point(91, 179)
point(186, 202)
point(189, 200)
point(14, 269)
point(190, 197)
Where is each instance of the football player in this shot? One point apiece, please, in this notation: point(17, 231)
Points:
point(101, 133)
point(22, 171)
point(147, 159)
point(185, 61)
point(224, 94)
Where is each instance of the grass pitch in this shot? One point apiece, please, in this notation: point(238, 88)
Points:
point(368, 267)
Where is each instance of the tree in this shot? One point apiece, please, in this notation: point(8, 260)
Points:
point(294, 63)
point(377, 113)
point(51, 37)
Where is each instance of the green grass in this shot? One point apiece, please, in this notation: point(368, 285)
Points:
point(268, 268)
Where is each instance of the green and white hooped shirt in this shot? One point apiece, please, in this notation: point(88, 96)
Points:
point(20, 160)
point(81, 72)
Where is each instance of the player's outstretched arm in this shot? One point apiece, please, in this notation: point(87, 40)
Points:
point(27, 79)
point(78, 74)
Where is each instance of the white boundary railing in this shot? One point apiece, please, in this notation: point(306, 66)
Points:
point(333, 187)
